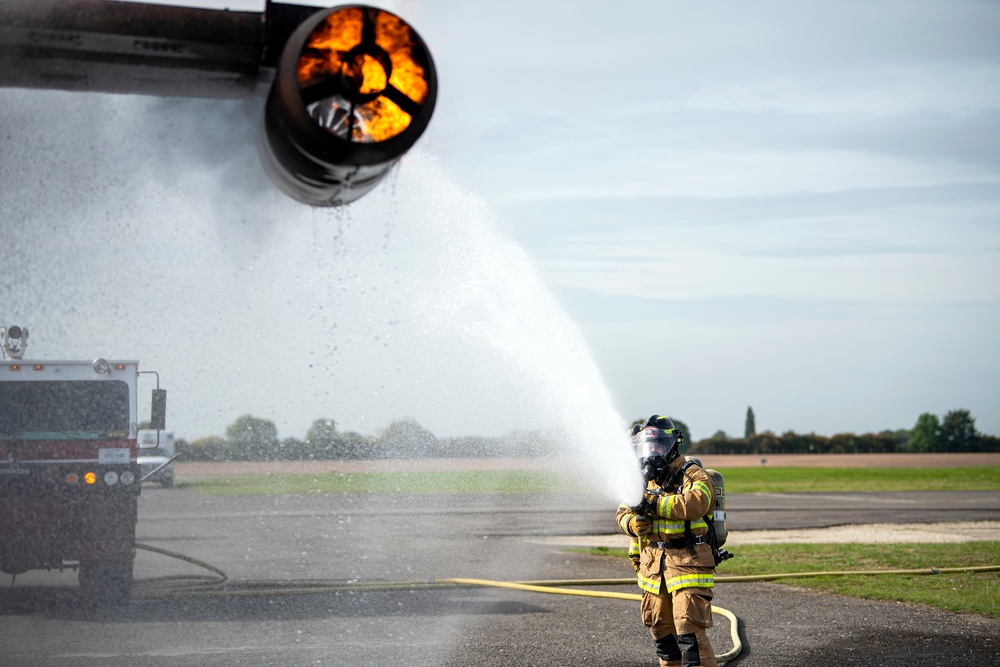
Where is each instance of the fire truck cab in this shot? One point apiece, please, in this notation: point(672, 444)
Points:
point(69, 475)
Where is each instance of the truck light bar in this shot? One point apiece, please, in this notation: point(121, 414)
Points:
point(126, 477)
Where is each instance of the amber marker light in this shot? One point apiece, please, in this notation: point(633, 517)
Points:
point(90, 478)
point(38, 367)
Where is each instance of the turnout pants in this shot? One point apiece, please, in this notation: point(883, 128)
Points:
point(678, 623)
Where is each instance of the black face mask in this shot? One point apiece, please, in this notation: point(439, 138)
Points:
point(655, 468)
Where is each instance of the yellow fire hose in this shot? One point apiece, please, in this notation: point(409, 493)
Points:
point(204, 585)
point(195, 585)
point(733, 621)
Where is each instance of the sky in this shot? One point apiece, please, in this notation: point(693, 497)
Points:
point(665, 207)
point(790, 206)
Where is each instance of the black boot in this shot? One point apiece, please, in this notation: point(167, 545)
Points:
point(667, 649)
point(688, 645)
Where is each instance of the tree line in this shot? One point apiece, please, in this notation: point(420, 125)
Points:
point(252, 438)
point(955, 432)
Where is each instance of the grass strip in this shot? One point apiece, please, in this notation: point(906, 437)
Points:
point(793, 480)
point(738, 480)
point(960, 592)
point(470, 481)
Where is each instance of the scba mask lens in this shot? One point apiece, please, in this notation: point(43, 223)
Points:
point(657, 442)
point(656, 450)
point(651, 448)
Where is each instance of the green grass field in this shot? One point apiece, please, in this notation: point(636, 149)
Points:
point(977, 592)
point(470, 481)
point(738, 480)
point(798, 480)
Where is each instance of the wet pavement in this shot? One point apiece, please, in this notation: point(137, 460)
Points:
point(286, 540)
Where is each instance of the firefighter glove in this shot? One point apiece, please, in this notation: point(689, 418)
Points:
point(639, 525)
point(651, 502)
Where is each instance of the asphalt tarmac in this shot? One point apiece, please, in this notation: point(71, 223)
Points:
point(408, 540)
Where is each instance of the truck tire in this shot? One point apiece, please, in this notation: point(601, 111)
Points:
point(106, 584)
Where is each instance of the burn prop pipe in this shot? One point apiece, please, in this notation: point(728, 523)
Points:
point(349, 89)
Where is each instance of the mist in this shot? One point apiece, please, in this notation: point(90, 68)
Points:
point(145, 228)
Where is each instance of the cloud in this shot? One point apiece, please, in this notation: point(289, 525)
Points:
point(753, 309)
point(853, 222)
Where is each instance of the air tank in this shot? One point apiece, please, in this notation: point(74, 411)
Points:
point(719, 516)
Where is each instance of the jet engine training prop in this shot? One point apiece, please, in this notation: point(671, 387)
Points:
point(349, 89)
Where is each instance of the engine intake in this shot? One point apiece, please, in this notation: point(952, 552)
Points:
point(352, 90)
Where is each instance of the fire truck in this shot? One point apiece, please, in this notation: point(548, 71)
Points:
point(69, 475)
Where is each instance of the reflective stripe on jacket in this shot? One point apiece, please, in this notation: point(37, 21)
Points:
point(675, 567)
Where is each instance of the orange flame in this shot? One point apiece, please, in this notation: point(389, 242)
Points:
point(407, 76)
point(338, 34)
point(372, 75)
point(325, 56)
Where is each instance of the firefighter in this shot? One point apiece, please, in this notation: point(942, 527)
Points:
point(671, 549)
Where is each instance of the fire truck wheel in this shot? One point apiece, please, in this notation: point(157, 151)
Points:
point(106, 583)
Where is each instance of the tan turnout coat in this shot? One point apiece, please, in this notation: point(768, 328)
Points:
point(674, 568)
